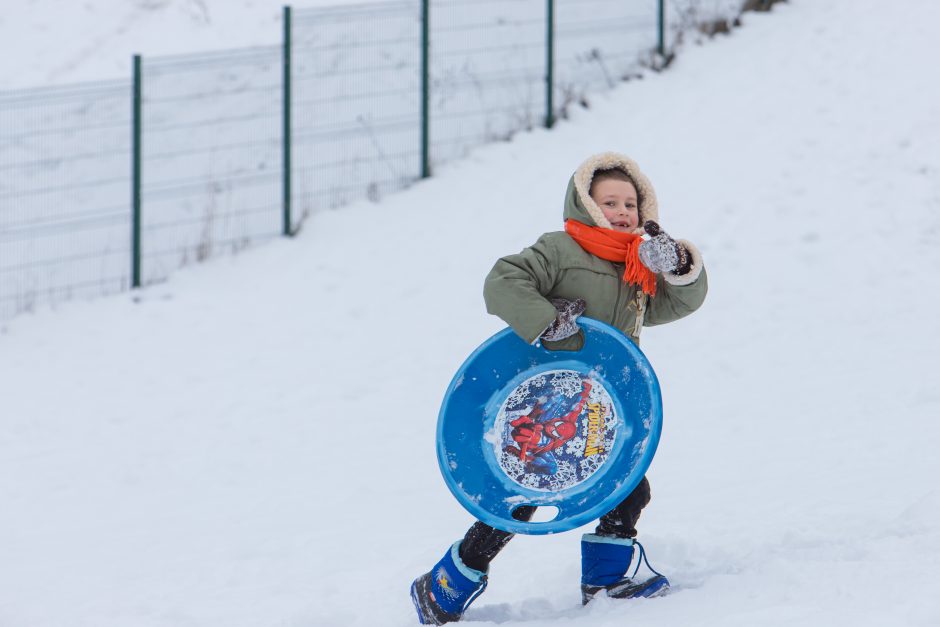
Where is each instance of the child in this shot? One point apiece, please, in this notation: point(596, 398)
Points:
point(602, 267)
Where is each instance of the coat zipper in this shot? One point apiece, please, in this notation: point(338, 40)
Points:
point(640, 312)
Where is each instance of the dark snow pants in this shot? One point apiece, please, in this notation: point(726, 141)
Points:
point(482, 543)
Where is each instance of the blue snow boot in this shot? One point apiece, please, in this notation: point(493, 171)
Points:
point(442, 595)
point(604, 565)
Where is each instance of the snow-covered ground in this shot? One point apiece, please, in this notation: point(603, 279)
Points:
point(63, 42)
point(251, 444)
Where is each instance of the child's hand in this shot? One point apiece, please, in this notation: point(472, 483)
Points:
point(661, 253)
point(566, 322)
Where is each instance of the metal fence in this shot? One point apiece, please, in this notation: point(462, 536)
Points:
point(210, 156)
point(65, 183)
point(356, 104)
point(108, 186)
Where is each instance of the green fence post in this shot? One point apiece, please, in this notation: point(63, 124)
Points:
point(136, 174)
point(661, 47)
point(288, 228)
point(425, 89)
point(550, 65)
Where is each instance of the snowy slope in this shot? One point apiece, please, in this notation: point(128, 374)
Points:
point(59, 42)
point(64, 42)
point(251, 444)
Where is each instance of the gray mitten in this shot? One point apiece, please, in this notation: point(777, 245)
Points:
point(566, 321)
point(661, 253)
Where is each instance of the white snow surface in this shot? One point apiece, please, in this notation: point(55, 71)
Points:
point(59, 41)
point(252, 443)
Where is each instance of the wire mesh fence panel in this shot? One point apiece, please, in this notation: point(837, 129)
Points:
point(356, 85)
point(488, 72)
point(64, 194)
point(214, 131)
point(211, 156)
point(599, 43)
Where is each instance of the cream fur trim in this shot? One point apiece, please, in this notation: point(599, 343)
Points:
point(649, 209)
point(692, 275)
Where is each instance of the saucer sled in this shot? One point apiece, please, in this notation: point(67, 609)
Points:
point(570, 430)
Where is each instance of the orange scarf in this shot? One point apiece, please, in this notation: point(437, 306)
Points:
point(617, 247)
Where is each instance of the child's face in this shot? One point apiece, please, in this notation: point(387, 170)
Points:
point(618, 201)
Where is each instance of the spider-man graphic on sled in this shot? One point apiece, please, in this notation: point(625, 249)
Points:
point(538, 433)
point(555, 430)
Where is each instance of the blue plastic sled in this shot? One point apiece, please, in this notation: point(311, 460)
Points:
point(523, 425)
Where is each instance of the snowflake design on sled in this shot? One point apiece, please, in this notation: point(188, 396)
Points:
point(521, 394)
point(575, 445)
point(567, 382)
point(589, 465)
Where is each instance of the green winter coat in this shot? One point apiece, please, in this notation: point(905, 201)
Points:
point(519, 287)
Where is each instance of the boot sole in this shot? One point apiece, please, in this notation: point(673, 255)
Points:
point(429, 613)
point(654, 587)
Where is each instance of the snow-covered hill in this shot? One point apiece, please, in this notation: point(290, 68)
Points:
point(64, 42)
point(251, 444)
point(53, 42)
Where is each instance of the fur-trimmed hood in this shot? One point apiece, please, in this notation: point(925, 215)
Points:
point(520, 288)
point(581, 207)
